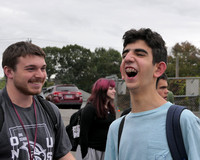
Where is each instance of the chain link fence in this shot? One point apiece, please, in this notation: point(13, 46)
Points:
point(186, 91)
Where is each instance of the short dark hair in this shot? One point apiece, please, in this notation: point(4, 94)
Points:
point(152, 39)
point(19, 49)
point(163, 76)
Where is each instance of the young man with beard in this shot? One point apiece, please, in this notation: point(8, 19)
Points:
point(144, 134)
point(27, 131)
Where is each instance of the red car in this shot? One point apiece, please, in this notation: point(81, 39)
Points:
point(64, 96)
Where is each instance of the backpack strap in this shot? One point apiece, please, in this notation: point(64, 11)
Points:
point(174, 133)
point(47, 107)
point(45, 104)
point(121, 125)
point(1, 112)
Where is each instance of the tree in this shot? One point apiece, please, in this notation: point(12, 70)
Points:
point(171, 66)
point(52, 57)
point(107, 62)
point(189, 57)
point(2, 82)
point(76, 66)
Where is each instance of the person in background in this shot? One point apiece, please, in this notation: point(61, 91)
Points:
point(27, 132)
point(170, 97)
point(161, 87)
point(96, 118)
point(144, 59)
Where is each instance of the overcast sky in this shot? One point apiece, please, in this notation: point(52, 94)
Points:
point(96, 23)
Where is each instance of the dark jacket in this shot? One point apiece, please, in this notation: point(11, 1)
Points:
point(93, 129)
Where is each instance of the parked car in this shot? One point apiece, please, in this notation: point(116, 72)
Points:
point(64, 96)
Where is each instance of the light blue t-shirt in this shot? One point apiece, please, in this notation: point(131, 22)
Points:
point(144, 136)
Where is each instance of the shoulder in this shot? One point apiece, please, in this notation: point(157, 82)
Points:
point(188, 118)
point(126, 111)
point(115, 124)
point(190, 123)
point(89, 108)
point(49, 105)
point(54, 107)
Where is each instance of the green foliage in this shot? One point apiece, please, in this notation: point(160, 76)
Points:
point(177, 86)
point(189, 60)
point(52, 56)
point(48, 84)
point(2, 82)
point(77, 65)
point(107, 62)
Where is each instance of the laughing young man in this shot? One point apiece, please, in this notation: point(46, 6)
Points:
point(144, 135)
point(27, 132)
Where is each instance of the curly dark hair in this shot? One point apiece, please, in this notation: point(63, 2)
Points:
point(163, 76)
point(152, 39)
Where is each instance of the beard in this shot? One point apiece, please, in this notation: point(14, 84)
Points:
point(27, 89)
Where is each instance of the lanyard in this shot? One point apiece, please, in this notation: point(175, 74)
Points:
point(20, 120)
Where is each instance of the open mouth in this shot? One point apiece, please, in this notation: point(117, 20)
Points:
point(131, 72)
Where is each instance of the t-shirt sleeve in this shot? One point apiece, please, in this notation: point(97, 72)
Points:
point(190, 126)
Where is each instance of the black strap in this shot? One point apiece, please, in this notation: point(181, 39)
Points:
point(1, 112)
point(173, 131)
point(174, 134)
point(1, 117)
point(45, 104)
point(47, 107)
point(120, 131)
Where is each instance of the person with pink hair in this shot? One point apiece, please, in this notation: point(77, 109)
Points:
point(96, 118)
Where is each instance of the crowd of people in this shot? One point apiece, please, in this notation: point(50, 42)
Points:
point(27, 131)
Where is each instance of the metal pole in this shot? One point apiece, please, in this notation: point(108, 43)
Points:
point(177, 65)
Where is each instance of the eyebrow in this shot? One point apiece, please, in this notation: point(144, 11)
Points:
point(135, 50)
point(31, 65)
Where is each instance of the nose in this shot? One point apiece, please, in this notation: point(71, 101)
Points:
point(166, 91)
point(40, 73)
point(129, 56)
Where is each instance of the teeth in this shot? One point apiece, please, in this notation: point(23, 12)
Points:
point(130, 70)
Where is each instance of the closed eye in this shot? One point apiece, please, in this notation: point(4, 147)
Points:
point(124, 53)
point(137, 51)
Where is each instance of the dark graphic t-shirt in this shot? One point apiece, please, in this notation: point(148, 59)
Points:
point(13, 139)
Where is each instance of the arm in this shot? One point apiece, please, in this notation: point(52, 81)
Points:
point(190, 126)
point(87, 118)
point(68, 156)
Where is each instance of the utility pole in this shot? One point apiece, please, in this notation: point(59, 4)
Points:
point(177, 65)
point(29, 40)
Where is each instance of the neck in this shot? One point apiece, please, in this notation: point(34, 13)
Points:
point(145, 101)
point(19, 98)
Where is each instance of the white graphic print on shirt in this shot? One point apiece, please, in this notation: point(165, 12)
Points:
point(43, 147)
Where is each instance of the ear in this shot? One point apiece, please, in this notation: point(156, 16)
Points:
point(8, 72)
point(121, 72)
point(159, 69)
